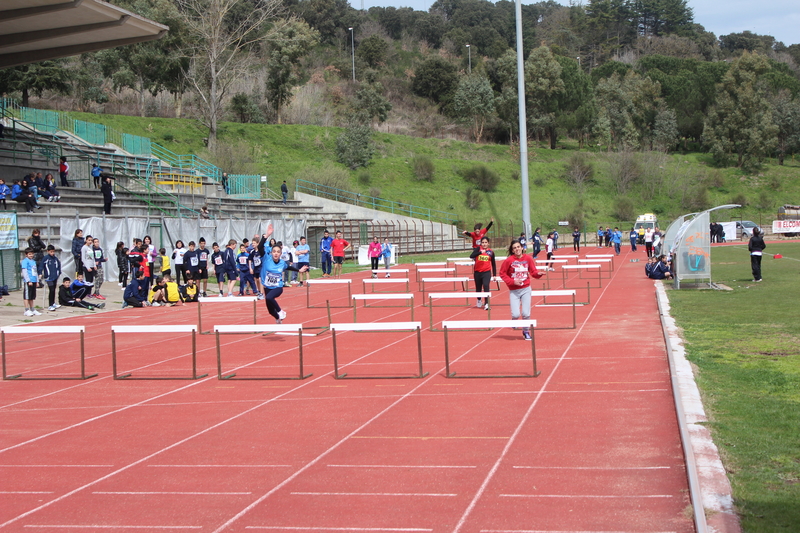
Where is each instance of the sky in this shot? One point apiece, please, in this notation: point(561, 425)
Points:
point(779, 18)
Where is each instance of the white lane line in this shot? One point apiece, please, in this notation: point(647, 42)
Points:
point(595, 467)
point(98, 526)
point(56, 466)
point(399, 466)
point(432, 494)
point(130, 493)
point(219, 466)
point(490, 475)
point(559, 531)
point(602, 496)
point(304, 528)
point(25, 492)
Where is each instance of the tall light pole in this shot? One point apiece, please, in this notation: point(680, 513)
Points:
point(469, 55)
point(523, 129)
point(353, 51)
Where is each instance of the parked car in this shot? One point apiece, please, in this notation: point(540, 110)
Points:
point(746, 228)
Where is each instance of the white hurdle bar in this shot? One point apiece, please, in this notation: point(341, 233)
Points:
point(598, 261)
point(310, 282)
point(469, 264)
point(409, 297)
point(175, 328)
point(441, 270)
point(469, 296)
point(264, 329)
point(488, 324)
point(580, 269)
point(454, 280)
point(378, 327)
point(558, 292)
point(44, 330)
point(391, 271)
point(384, 281)
point(222, 300)
point(603, 256)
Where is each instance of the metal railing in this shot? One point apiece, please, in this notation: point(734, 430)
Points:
point(371, 202)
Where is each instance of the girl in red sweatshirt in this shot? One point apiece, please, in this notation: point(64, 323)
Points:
point(517, 271)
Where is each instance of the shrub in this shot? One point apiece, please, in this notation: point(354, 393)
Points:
point(423, 167)
point(364, 177)
point(329, 174)
point(482, 177)
point(578, 171)
point(515, 175)
point(740, 199)
point(764, 202)
point(472, 198)
point(354, 147)
point(375, 192)
point(623, 209)
point(624, 171)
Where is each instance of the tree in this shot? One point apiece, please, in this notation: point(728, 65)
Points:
point(328, 17)
point(354, 147)
point(740, 122)
point(223, 35)
point(629, 106)
point(665, 129)
point(371, 102)
point(786, 114)
point(473, 102)
point(36, 78)
point(543, 87)
point(576, 104)
point(435, 79)
point(373, 50)
point(662, 17)
point(288, 44)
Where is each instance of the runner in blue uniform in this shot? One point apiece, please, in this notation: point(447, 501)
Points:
point(272, 278)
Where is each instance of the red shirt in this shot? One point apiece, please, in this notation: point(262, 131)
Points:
point(484, 261)
point(522, 268)
point(476, 236)
point(338, 246)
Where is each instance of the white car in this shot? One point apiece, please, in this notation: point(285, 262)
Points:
point(746, 227)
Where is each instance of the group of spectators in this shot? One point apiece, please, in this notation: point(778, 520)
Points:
point(29, 190)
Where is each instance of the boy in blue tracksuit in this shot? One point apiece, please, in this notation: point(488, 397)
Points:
point(51, 270)
point(229, 265)
point(633, 236)
point(135, 293)
point(272, 270)
point(255, 260)
point(30, 279)
point(325, 253)
point(245, 271)
point(616, 239)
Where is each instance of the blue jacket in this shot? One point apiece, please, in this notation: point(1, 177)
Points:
point(51, 268)
point(4, 190)
point(325, 244)
point(659, 271)
point(616, 237)
point(229, 260)
point(16, 190)
point(135, 289)
point(77, 244)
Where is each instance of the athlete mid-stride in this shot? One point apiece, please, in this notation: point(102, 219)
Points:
point(517, 271)
point(272, 270)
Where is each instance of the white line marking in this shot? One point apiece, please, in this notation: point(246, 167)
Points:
point(399, 466)
point(559, 531)
point(603, 496)
point(596, 467)
point(372, 494)
point(92, 526)
point(25, 492)
point(174, 493)
point(219, 466)
point(56, 466)
point(299, 528)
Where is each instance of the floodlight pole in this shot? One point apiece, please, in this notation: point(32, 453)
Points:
point(469, 55)
point(353, 51)
point(523, 129)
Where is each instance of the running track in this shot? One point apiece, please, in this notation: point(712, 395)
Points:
point(590, 446)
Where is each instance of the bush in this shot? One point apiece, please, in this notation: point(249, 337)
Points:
point(624, 171)
point(472, 198)
point(623, 209)
point(740, 199)
point(329, 174)
point(364, 177)
point(515, 175)
point(375, 192)
point(764, 202)
point(423, 167)
point(578, 172)
point(354, 147)
point(482, 177)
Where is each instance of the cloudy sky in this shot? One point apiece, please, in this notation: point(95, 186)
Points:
point(779, 18)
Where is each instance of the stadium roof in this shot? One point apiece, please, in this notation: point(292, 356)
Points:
point(37, 30)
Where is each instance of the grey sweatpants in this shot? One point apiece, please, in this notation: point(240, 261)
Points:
point(520, 298)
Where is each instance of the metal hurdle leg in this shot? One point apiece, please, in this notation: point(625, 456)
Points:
point(129, 375)
point(450, 374)
point(19, 377)
point(338, 375)
point(301, 375)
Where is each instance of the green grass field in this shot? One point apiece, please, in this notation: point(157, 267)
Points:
point(745, 344)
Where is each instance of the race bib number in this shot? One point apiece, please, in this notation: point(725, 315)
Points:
point(98, 254)
point(256, 261)
point(194, 262)
point(520, 273)
point(243, 260)
point(272, 280)
point(204, 257)
point(218, 260)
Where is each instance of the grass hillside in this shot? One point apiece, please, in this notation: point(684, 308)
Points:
point(620, 187)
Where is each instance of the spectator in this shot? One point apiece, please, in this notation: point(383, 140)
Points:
point(189, 291)
point(50, 186)
point(21, 194)
point(245, 271)
point(81, 291)
point(661, 269)
point(63, 171)
point(77, 244)
point(99, 260)
point(5, 191)
point(38, 246)
point(89, 265)
point(96, 172)
point(158, 294)
point(135, 294)
point(204, 214)
point(68, 299)
point(30, 280)
point(166, 266)
point(756, 247)
point(108, 195)
point(225, 185)
point(325, 253)
point(284, 191)
point(122, 263)
point(302, 253)
point(51, 270)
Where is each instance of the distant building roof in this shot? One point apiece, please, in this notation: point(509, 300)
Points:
point(37, 30)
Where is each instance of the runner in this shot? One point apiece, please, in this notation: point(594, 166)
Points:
point(485, 268)
point(517, 271)
point(272, 270)
point(374, 252)
point(338, 248)
point(478, 233)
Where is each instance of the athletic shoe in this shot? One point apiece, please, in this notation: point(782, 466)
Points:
point(91, 296)
point(758, 281)
point(278, 321)
point(51, 308)
point(478, 305)
point(486, 307)
point(230, 295)
point(36, 313)
point(100, 305)
point(526, 335)
point(282, 314)
point(154, 304)
point(388, 275)
point(56, 305)
point(205, 295)
point(28, 312)
point(119, 284)
point(374, 275)
point(99, 296)
point(260, 297)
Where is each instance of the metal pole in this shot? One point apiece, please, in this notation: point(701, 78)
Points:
point(353, 51)
point(523, 130)
point(469, 55)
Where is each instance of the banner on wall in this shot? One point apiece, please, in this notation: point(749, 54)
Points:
point(8, 232)
point(786, 226)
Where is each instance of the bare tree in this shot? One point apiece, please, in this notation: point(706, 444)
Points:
point(225, 35)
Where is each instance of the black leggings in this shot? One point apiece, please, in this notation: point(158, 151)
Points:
point(482, 281)
point(123, 278)
point(374, 262)
point(270, 297)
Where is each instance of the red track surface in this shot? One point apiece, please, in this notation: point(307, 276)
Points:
point(589, 446)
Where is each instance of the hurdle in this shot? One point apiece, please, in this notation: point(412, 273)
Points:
point(48, 330)
point(466, 325)
point(378, 327)
point(391, 271)
point(218, 300)
point(567, 292)
point(600, 262)
point(458, 260)
point(177, 328)
point(436, 264)
point(443, 270)
point(544, 262)
point(327, 282)
point(263, 329)
point(455, 281)
point(384, 281)
point(469, 264)
point(469, 297)
point(603, 256)
point(367, 297)
point(581, 268)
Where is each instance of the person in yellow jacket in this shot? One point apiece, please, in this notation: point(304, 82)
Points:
point(166, 263)
point(165, 292)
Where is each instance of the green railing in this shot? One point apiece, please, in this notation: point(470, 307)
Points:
point(371, 202)
point(244, 186)
point(189, 162)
